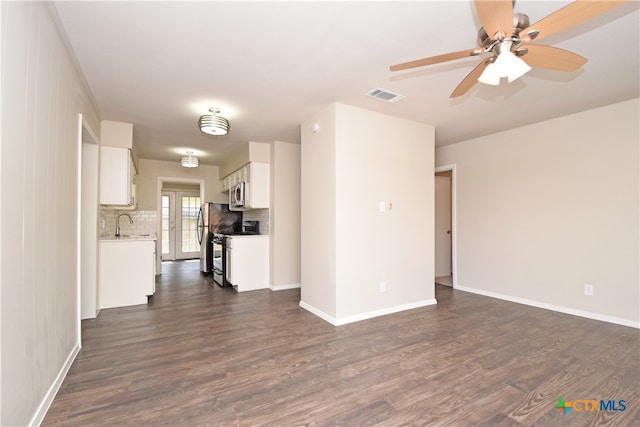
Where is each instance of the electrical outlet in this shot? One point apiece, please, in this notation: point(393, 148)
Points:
point(383, 287)
point(588, 290)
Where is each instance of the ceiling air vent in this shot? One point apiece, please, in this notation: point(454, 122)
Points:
point(385, 95)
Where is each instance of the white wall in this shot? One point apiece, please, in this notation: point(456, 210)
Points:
point(318, 214)
point(42, 97)
point(355, 160)
point(151, 170)
point(285, 216)
point(546, 208)
point(246, 152)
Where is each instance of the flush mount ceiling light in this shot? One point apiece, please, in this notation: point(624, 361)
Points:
point(213, 124)
point(190, 161)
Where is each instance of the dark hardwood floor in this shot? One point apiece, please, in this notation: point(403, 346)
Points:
point(202, 355)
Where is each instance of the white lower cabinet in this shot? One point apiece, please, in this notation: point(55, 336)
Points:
point(248, 262)
point(126, 272)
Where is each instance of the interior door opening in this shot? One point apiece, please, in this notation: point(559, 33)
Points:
point(444, 224)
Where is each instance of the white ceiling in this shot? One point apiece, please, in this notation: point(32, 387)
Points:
point(269, 66)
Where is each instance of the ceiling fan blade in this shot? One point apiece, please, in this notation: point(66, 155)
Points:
point(552, 58)
point(434, 59)
point(471, 79)
point(496, 17)
point(570, 15)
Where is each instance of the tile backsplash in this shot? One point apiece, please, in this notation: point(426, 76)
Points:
point(144, 222)
point(261, 215)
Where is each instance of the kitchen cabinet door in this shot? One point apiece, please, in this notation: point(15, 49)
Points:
point(117, 177)
point(126, 272)
point(259, 186)
point(249, 262)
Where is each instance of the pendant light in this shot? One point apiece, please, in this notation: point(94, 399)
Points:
point(213, 124)
point(189, 161)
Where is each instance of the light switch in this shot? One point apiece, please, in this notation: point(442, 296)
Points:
point(382, 206)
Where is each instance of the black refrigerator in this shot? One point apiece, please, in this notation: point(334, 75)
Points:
point(215, 218)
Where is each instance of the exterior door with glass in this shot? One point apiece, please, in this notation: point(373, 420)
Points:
point(179, 225)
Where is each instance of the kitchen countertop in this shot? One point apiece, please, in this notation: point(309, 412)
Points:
point(244, 236)
point(128, 238)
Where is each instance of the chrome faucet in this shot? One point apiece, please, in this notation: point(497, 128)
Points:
point(118, 223)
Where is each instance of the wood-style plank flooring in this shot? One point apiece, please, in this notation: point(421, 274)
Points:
point(199, 354)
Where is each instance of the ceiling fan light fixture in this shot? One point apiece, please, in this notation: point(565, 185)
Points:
point(189, 161)
point(506, 65)
point(511, 66)
point(212, 124)
point(490, 75)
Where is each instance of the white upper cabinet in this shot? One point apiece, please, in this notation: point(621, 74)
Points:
point(240, 175)
point(257, 185)
point(117, 177)
point(117, 170)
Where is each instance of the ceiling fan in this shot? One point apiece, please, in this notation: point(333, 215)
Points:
point(507, 37)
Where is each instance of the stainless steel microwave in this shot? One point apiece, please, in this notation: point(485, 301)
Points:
point(237, 196)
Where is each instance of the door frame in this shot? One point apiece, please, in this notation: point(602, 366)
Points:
point(176, 251)
point(160, 183)
point(88, 210)
point(172, 232)
point(179, 230)
point(454, 234)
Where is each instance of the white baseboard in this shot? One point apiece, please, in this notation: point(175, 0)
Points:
point(38, 417)
point(283, 287)
point(367, 315)
point(321, 314)
point(560, 309)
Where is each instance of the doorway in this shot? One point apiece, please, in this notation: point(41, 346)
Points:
point(180, 204)
point(444, 235)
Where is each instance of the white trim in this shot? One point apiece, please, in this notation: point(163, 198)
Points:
point(284, 287)
point(385, 311)
point(40, 413)
point(552, 307)
point(91, 132)
point(321, 314)
point(159, 184)
point(366, 315)
point(454, 237)
point(79, 233)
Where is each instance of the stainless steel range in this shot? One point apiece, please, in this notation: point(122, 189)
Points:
point(215, 218)
point(222, 252)
point(219, 250)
